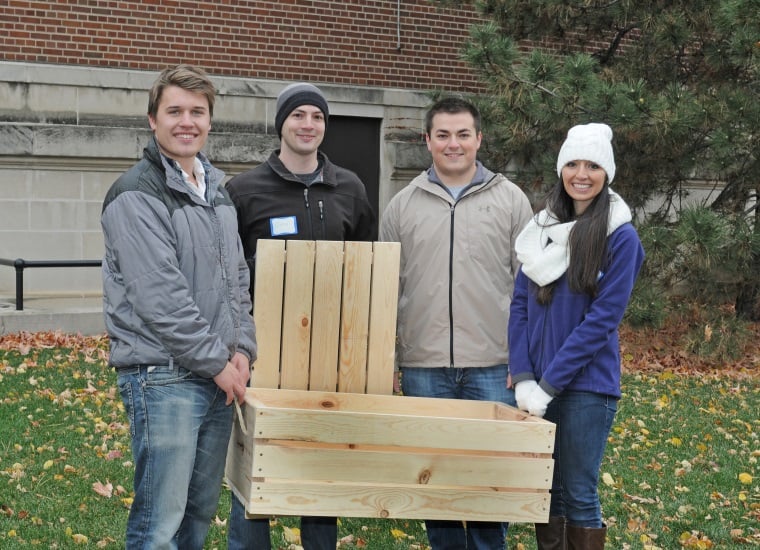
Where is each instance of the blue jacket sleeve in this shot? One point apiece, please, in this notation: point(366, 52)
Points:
point(519, 358)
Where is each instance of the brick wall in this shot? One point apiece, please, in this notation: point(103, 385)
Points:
point(351, 42)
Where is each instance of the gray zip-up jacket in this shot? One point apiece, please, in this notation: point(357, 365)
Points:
point(175, 281)
point(458, 266)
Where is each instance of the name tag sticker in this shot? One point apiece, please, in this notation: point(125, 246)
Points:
point(283, 226)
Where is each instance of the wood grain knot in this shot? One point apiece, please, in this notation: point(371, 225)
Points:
point(304, 321)
point(327, 404)
point(384, 513)
point(424, 477)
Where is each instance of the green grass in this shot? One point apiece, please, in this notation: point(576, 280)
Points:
point(672, 471)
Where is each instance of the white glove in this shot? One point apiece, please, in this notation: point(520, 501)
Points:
point(522, 391)
point(537, 402)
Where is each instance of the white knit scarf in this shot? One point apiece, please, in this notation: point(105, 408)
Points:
point(542, 247)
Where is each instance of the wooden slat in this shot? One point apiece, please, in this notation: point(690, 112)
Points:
point(391, 404)
point(325, 330)
point(443, 432)
point(296, 315)
point(352, 500)
point(267, 312)
point(239, 466)
point(357, 272)
point(275, 462)
point(318, 445)
point(381, 352)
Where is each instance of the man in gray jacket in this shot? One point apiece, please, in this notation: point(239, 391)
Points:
point(456, 222)
point(177, 311)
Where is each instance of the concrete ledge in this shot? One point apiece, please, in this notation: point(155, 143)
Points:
point(71, 315)
point(85, 323)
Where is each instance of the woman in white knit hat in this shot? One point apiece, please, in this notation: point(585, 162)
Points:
point(580, 258)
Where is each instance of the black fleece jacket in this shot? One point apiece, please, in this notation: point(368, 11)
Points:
point(272, 203)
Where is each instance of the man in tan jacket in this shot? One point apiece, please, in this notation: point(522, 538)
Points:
point(456, 222)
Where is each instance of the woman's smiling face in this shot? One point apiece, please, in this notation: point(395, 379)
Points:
point(583, 181)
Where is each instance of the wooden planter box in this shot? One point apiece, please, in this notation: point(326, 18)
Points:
point(357, 455)
point(320, 434)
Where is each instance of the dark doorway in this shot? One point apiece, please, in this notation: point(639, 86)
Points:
point(354, 143)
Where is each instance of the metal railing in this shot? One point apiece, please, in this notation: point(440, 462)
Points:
point(20, 264)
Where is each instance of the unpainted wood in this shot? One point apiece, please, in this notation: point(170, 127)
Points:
point(352, 500)
point(351, 454)
point(267, 312)
point(391, 404)
point(383, 309)
point(325, 330)
point(357, 271)
point(400, 466)
point(296, 315)
point(409, 429)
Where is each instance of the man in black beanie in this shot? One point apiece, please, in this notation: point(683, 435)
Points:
point(296, 194)
point(296, 95)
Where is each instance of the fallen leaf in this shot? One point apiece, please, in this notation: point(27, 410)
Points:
point(103, 490)
point(398, 534)
point(291, 535)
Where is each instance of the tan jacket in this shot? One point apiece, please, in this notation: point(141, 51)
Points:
point(458, 266)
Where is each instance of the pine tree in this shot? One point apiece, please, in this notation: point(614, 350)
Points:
point(678, 81)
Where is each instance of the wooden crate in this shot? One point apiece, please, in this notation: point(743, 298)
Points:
point(320, 433)
point(353, 455)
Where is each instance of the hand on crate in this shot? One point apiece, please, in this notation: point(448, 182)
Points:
point(233, 378)
point(537, 402)
point(397, 382)
point(522, 391)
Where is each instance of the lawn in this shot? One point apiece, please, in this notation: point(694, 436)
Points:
point(681, 468)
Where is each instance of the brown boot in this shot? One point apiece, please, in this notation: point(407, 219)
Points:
point(586, 538)
point(551, 536)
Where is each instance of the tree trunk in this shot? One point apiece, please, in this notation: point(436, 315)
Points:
point(748, 302)
point(748, 297)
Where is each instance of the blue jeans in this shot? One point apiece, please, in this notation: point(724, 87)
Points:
point(476, 383)
point(584, 421)
point(317, 533)
point(180, 429)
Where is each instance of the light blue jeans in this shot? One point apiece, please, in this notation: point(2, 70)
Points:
point(584, 421)
point(476, 383)
point(180, 429)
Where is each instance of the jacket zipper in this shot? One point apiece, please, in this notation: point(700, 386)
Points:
point(451, 287)
point(321, 205)
point(451, 270)
point(308, 212)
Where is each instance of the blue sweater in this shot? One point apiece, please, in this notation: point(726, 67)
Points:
point(572, 342)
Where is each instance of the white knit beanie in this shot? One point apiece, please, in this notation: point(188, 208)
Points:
point(591, 142)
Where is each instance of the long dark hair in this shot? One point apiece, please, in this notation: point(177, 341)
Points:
point(587, 242)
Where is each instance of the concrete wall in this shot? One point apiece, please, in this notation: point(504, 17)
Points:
point(66, 132)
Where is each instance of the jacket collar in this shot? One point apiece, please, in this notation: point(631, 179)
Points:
point(174, 180)
point(328, 169)
point(429, 181)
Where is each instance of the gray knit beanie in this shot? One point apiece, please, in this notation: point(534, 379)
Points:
point(295, 95)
